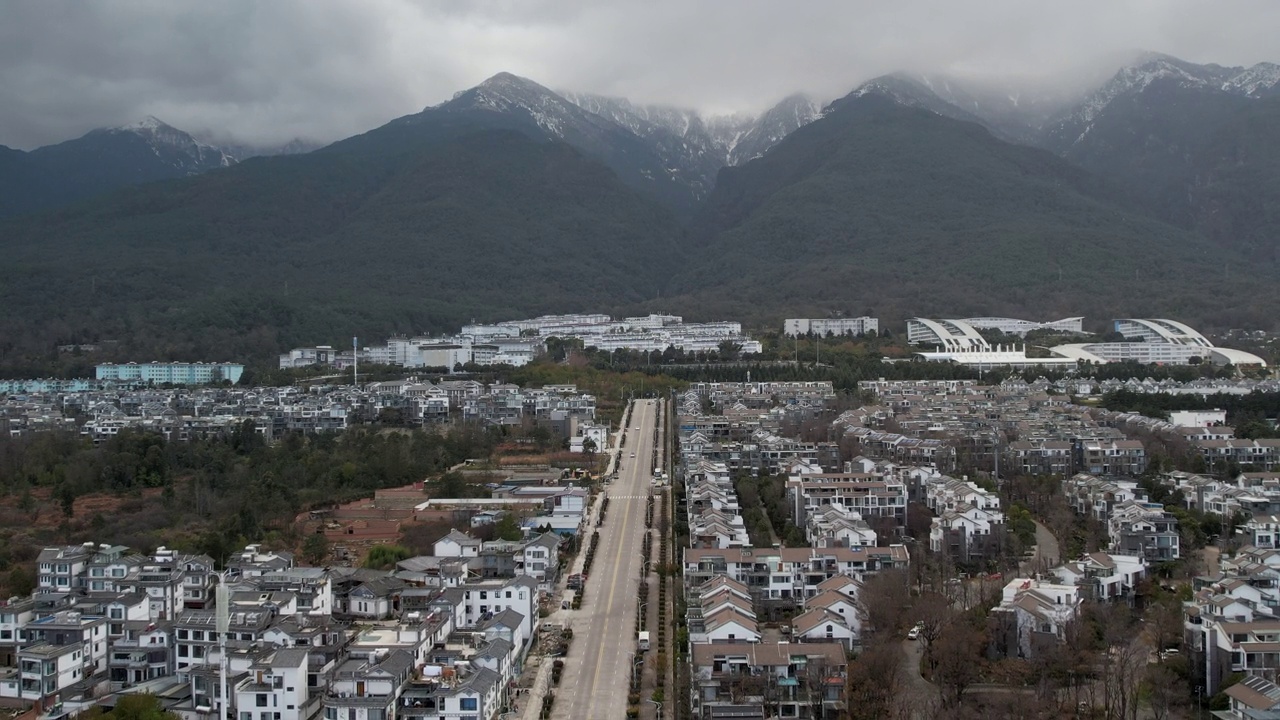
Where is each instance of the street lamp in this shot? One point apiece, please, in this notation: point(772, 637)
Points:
point(658, 706)
point(635, 669)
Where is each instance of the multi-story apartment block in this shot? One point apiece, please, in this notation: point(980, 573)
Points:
point(196, 638)
point(1041, 457)
point(1032, 615)
point(275, 688)
point(1260, 454)
point(1103, 576)
point(830, 326)
point(62, 569)
point(1144, 529)
point(312, 587)
point(70, 627)
point(15, 614)
point(870, 496)
point(144, 652)
point(793, 680)
point(1111, 457)
point(838, 526)
point(45, 671)
point(1099, 497)
point(1223, 648)
point(367, 688)
point(1262, 531)
point(159, 373)
point(789, 573)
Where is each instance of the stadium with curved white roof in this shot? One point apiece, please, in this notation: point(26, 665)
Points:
point(946, 335)
point(1160, 331)
point(1014, 326)
point(1157, 342)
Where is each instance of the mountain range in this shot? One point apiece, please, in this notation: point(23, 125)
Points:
point(1152, 193)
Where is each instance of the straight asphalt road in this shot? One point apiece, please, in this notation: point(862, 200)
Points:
point(604, 630)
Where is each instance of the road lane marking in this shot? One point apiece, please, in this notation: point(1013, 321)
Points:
point(595, 679)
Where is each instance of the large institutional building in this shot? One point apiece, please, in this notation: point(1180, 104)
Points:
point(172, 373)
point(1158, 342)
point(1147, 341)
point(1014, 326)
point(830, 326)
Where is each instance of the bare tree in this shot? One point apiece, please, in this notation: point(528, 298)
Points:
point(1123, 662)
point(883, 600)
point(875, 681)
point(957, 654)
point(1163, 621)
point(1164, 690)
point(933, 614)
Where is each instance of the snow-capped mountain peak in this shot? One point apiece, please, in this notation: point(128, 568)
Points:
point(174, 146)
point(508, 93)
point(150, 123)
point(1257, 81)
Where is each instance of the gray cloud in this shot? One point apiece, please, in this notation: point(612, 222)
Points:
point(262, 72)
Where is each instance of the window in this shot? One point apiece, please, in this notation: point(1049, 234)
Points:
point(260, 700)
point(468, 704)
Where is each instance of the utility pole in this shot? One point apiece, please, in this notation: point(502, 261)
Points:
point(222, 618)
point(355, 362)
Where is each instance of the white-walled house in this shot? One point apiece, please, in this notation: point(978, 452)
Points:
point(842, 605)
point(1032, 614)
point(819, 624)
point(367, 688)
point(1104, 576)
point(457, 544)
point(276, 688)
point(540, 559)
point(46, 670)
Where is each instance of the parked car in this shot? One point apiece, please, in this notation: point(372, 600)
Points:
point(914, 634)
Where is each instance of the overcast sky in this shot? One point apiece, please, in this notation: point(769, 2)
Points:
point(266, 71)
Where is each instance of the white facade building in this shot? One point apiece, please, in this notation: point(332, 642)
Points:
point(830, 326)
point(1014, 326)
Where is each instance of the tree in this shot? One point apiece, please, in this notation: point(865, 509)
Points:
point(506, 528)
point(131, 707)
point(21, 581)
point(1163, 690)
point(883, 600)
point(956, 655)
point(385, 557)
point(934, 614)
point(875, 681)
point(315, 549)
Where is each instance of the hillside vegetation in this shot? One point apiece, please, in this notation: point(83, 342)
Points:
point(361, 238)
point(902, 211)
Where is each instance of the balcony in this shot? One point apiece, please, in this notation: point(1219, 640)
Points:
point(338, 699)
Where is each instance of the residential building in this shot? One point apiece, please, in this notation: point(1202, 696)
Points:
point(1032, 616)
point(159, 373)
point(830, 326)
point(794, 680)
